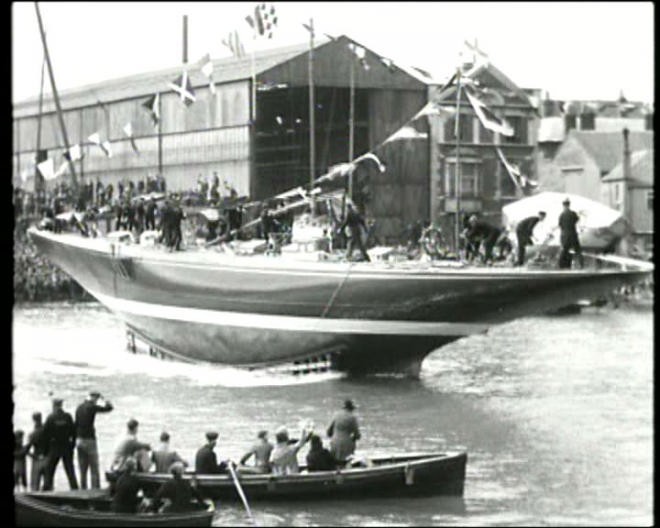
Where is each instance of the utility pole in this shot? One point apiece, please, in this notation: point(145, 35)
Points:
point(351, 127)
point(457, 172)
point(312, 147)
point(56, 97)
point(185, 39)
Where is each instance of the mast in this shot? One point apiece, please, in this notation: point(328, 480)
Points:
point(56, 97)
point(457, 172)
point(37, 175)
point(160, 136)
point(351, 127)
point(312, 150)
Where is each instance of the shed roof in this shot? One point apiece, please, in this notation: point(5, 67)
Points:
point(606, 148)
point(641, 162)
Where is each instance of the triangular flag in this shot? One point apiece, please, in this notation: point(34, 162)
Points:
point(372, 157)
point(207, 70)
point(74, 153)
point(512, 170)
point(95, 138)
point(488, 119)
point(433, 108)
point(152, 105)
point(47, 169)
point(360, 53)
point(182, 86)
point(105, 146)
point(61, 170)
point(388, 63)
point(128, 130)
point(406, 132)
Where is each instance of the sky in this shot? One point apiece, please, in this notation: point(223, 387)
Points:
point(581, 50)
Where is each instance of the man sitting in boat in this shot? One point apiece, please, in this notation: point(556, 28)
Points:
point(130, 447)
point(318, 457)
point(125, 492)
point(164, 457)
point(261, 451)
point(344, 432)
point(354, 222)
point(206, 461)
point(284, 458)
point(177, 491)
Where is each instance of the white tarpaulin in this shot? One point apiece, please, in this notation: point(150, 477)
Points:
point(599, 226)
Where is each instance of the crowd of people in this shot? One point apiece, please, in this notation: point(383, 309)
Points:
point(62, 435)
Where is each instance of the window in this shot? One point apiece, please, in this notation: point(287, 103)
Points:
point(571, 122)
point(507, 187)
point(649, 200)
point(469, 179)
point(588, 122)
point(485, 135)
point(519, 125)
point(617, 199)
point(466, 128)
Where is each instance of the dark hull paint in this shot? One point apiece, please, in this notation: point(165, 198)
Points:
point(159, 295)
point(438, 474)
point(71, 509)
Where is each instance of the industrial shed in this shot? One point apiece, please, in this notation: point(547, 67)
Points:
point(214, 134)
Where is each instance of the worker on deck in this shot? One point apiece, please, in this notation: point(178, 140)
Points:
point(261, 451)
point(524, 231)
point(344, 432)
point(88, 453)
point(150, 214)
point(354, 222)
point(130, 447)
point(206, 461)
point(480, 231)
point(569, 239)
point(39, 448)
point(60, 435)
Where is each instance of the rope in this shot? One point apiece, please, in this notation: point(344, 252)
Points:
point(336, 292)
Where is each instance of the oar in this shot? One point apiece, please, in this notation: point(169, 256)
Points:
point(239, 489)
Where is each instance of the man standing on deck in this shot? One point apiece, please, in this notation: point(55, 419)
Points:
point(569, 239)
point(88, 453)
point(354, 222)
point(524, 231)
point(206, 461)
point(60, 435)
point(39, 448)
point(150, 214)
point(344, 432)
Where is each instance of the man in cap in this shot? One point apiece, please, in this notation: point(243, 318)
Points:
point(129, 447)
point(344, 432)
point(125, 490)
point(355, 224)
point(164, 457)
point(284, 458)
point(39, 448)
point(261, 451)
point(88, 453)
point(206, 461)
point(569, 239)
point(60, 436)
point(524, 231)
point(178, 491)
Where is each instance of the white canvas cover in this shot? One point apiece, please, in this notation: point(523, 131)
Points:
point(599, 227)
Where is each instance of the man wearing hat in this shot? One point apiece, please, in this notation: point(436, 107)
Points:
point(261, 451)
point(206, 462)
point(60, 436)
point(129, 447)
point(524, 231)
point(343, 433)
point(88, 453)
point(164, 457)
point(178, 491)
point(569, 239)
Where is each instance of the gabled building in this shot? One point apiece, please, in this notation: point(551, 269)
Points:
point(585, 158)
point(485, 184)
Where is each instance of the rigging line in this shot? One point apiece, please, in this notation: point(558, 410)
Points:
point(331, 301)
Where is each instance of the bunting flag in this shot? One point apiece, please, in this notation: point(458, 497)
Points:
point(128, 130)
point(389, 64)
point(207, 70)
point(47, 169)
point(26, 174)
point(61, 170)
point(263, 21)
point(74, 153)
point(182, 86)
point(151, 105)
point(372, 157)
point(433, 108)
point(488, 119)
point(423, 72)
point(519, 179)
point(233, 42)
point(406, 132)
point(360, 53)
point(95, 138)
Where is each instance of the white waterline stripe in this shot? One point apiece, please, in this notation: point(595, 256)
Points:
point(287, 322)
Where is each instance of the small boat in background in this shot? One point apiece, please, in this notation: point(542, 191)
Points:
point(92, 508)
point(414, 474)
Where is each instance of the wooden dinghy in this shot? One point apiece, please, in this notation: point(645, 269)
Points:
point(398, 475)
point(92, 508)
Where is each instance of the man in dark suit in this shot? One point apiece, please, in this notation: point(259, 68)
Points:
point(60, 435)
point(206, 462)
point(524, 231)
point(569, 239)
